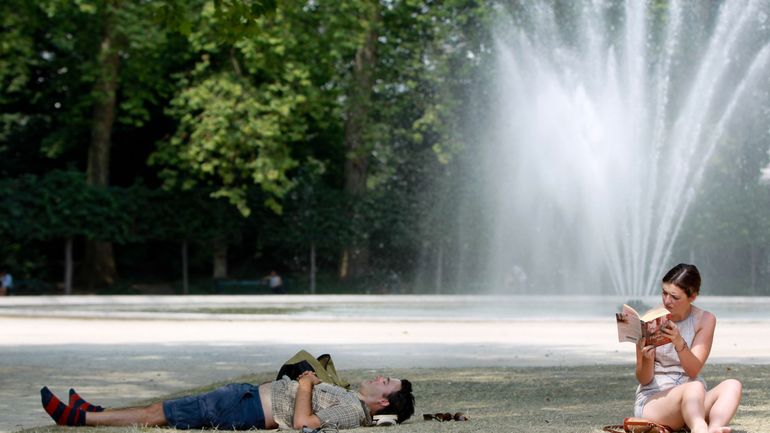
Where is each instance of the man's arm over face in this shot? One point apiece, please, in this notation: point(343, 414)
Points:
point(303, 403)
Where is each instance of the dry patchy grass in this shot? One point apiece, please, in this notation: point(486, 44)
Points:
point(536, 400)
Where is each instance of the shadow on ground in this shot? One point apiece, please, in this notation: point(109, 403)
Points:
point(536, 400)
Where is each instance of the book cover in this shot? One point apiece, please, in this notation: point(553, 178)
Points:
point(632, 326)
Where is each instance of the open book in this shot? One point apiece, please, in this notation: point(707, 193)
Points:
point(632, 327)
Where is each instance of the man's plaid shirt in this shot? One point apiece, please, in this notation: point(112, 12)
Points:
point(332, 404)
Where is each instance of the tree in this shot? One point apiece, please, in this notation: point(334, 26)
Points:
point(355, 258)
point(113, 58)
point(186, 217)
point(246, 110)
point(256, 107)
point(314, 219)
point(60, 205)
point(407, 124)
point(84, 53)
point(99, 255)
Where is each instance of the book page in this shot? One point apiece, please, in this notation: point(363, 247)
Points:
point(629, 325)
point(654, 314)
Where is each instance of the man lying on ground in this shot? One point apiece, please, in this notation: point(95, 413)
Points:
point(284, 403)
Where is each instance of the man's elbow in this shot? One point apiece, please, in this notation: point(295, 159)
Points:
point(299, 422)
point(311, 421)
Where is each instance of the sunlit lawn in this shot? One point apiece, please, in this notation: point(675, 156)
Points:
point(539, 400)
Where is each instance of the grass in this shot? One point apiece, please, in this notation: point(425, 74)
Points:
point(235, 310)
point(536, 400)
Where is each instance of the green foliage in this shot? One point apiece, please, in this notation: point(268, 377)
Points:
point(241, 107)
point(732, 211)
point(255, 92)
point(235, 133)
point(234, 18)
point(314, 214)
point(249, 104)
point(16, 43)
point(191, 215)
point(61, 205)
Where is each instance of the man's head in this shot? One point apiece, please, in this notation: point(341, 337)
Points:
point(387, 395)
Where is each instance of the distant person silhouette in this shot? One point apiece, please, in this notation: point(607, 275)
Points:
point(6, 282)
point(275, 282)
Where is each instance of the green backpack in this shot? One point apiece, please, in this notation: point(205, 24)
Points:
point(323, 366)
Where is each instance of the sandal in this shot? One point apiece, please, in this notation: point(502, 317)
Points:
point(445, 416)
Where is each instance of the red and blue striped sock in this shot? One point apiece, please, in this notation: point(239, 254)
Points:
point(60, 412)
point(77, 402)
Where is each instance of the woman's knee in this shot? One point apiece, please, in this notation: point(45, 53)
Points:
point(733, 386)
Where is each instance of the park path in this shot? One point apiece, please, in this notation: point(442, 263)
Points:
point(117, 361)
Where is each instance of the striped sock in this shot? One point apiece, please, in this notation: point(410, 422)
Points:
point(77, 402)
point(60, 412)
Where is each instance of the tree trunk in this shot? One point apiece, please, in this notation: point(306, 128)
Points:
point(343, 274)
point(439, 281)
point(185, 279)
point(68, 266)
point(312, 268)
point(219, 248)
point(99, 259)
point(355, 257)
point(99, 268)
point(754, 267)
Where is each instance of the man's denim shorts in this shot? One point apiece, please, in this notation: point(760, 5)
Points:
point(231, 407)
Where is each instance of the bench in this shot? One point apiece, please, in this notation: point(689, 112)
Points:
point(243, 287)
point(31, 287)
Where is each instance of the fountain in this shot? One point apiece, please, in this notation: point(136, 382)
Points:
point(607, 115)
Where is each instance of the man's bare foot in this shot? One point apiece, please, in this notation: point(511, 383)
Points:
point(721, 430)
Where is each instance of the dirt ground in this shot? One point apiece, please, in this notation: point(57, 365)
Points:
point(520, 375)
point(535, 399)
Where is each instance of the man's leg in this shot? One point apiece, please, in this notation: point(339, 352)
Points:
point(151, 416)
point(62, 414)
point(721, 404)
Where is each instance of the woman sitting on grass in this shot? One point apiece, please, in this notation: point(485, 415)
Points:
point(671, 391)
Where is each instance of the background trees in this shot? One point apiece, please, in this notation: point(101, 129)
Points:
point(180, 141)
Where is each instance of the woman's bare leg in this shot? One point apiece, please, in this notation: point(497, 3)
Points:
point(151, 415)
point(721, 405)
point(693, 407)
point(683, 404)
